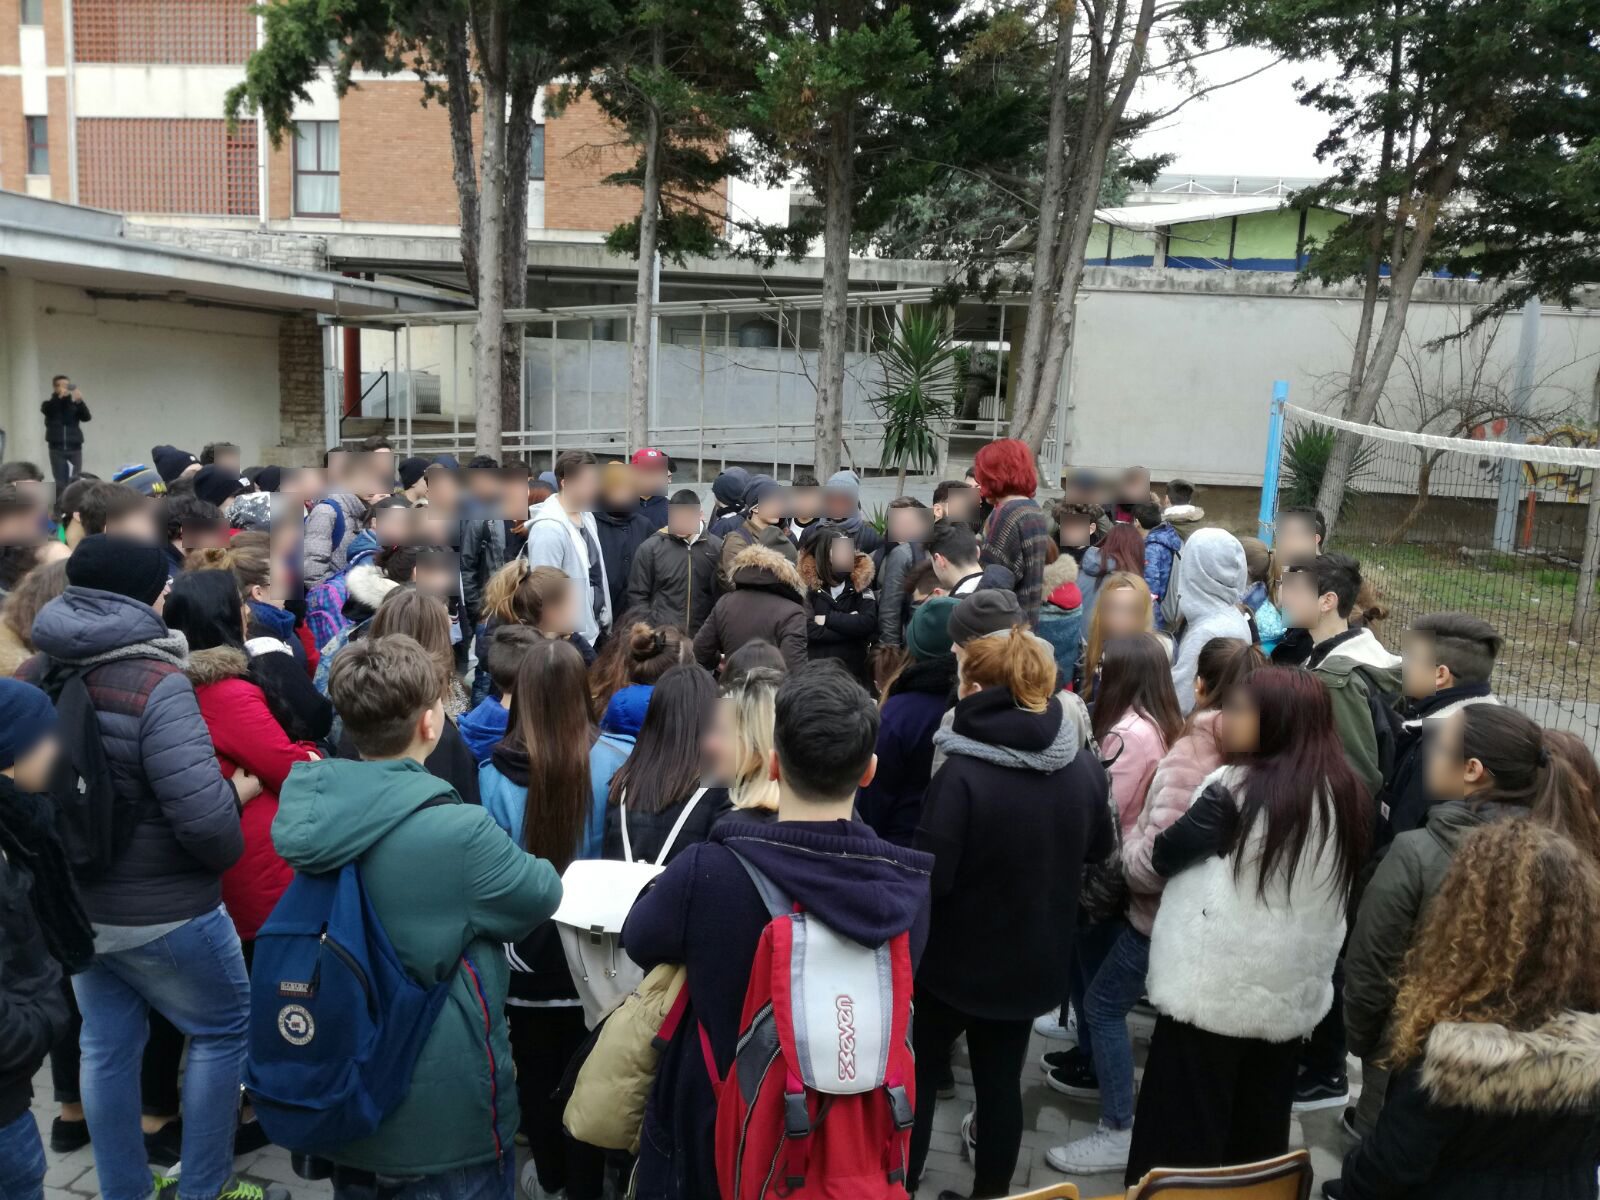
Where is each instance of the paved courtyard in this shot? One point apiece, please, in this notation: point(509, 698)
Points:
point(1050, 1119)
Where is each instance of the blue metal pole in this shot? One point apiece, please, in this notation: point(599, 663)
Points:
point(1267, 518)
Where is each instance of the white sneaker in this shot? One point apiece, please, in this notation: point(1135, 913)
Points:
point(1050, 1026)
point(1103, 1150)
point(529, 1181)
point(969, 1135)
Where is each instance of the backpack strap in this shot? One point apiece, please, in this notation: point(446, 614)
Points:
point(777, 902)
point(677, 826)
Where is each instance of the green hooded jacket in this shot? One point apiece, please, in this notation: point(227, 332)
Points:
point(1352, 671)
point(450, 887)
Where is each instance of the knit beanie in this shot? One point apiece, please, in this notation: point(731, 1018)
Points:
point(992, 610)
point(844, 481)
point(928, 634)
point(411, 470)
point(122, 565)
point(269, 479)
point(26, 716)
point(171, 462)
point(759, 488)
point(729, 486)
point(217, 485)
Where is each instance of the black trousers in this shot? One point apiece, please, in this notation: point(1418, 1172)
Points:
point(543, 1041)
point(65, 465)
point(1323, 1054)
point(1211, 1101)
point(998, 1050)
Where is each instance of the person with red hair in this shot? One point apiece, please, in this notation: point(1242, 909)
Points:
point(1017, 534)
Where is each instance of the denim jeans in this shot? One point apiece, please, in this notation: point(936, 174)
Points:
point(1093, 943)
point(21, 1160)
point(195, 977)
point(1116, 988)
point(486, 1181)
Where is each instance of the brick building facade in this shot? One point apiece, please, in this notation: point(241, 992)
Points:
point(118, 104)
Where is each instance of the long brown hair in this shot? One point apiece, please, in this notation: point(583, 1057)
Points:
point(22, 604)
point(1552, 775)
point(637, 652)
point(1094, 644)
point(1223, 664)
point(665, 766)
point(1508, 940)
point(1021, 662)
point(423, 618)
point(550, 722)
point(1136, 675)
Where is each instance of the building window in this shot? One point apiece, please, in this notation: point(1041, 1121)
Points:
point(33, 12)
point(38, 146)
point(536, 153)
point(316, 169)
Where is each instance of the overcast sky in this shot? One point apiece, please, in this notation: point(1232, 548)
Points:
point(1252, 128)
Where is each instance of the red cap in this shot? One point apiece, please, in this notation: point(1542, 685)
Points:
point(648, 457)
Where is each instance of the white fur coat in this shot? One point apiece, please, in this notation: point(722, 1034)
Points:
point(1231, 962)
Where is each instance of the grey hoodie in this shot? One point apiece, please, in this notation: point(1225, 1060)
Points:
point(554, 541)
point(1211, 581)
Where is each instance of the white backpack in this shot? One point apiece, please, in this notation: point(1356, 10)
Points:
point(596, 897)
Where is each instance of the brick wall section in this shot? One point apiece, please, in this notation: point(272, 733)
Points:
point(10, 49)
point(156, 165)
point(303, 252)
point(280, 178)
point(582, 147)
point(300, 395)
point(60, 145)
point(394, 156)
point(55, 42)
point(13, 153)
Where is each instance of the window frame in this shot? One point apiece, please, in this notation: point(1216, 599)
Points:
point(30, 145)
point(38, 10)
point(536, 138)
point(296, 171)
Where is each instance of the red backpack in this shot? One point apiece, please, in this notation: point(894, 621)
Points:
point(820, 1097)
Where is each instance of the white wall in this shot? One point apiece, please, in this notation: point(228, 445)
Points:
point(150, 371)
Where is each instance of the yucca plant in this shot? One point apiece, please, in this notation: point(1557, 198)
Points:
point(918, 395)
point(1305, 460)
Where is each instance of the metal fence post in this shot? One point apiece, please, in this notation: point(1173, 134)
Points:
point(1267, 518)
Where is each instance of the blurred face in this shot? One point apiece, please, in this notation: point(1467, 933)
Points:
point(838, 504)
point(228, 460)
point(1076, 530)
point(204, 537)
point(484, 485)
point(725, 768)
point(772, 509)
point(1297, 596)
point(392, 526)
point(620, 493)
point(652, 481)
point(32, 770)
point(61, 385)
point(581, 488)
point(1297, 538)
point(434, 577)
point(277, 589)
point(444, 493)
point(1450, 775)
point(683, 520)
point(805, 503)
point(1135, 487)
point(842, 557)
point(37, 490)
point(139, 524)
point(960, 505)
point(1421, 675)
point(560, 616)
point(1122, 613)
point(1240, 731)
point(716, 747)
point(907, 524)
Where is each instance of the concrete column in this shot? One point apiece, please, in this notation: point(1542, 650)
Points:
point(25, 376)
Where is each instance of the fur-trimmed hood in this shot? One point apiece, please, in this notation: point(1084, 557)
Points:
point(756, 566)
point(861, 574)
point(1492, 1069)
point(216, 664)
point(367, 586)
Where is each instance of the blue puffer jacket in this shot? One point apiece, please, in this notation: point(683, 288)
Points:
point(1163, 546)
point(160, 754)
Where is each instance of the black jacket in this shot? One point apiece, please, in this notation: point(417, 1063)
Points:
point(676, 580)
point(849, 620)
point(450, 761)
point(483, 552)
point(1488, 1114)
point(1406, 787)
point(620, 536)
point(1017, 809)
point(63, 422)
point(33, 1010)
point(647, 832)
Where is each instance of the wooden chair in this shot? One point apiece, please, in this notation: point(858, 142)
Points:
point(1287, 1177)
point(1056, 1191)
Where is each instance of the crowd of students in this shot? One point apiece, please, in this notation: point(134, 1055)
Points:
point(1022, 768)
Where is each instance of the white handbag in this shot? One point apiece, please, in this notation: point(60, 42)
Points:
point(596, 897)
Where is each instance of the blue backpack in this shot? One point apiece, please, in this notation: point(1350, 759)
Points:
point(336, 1022)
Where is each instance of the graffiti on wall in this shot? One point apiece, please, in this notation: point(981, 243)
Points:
point(1573, 482)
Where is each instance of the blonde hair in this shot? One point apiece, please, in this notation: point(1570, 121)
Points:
point(754, 703)
point(248, 556)
point(1095, 643)
point(1261, 565)
point(36, 589)
point(1508, 939)
point(518, 594)
point(1017, 660)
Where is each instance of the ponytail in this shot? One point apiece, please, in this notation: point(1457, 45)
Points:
point(1569, 794)
point(1551, 774)
point(1018, 661)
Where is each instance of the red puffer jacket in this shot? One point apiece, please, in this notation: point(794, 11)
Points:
point(246, 734)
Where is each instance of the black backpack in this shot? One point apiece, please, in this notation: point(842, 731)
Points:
point(94, 824)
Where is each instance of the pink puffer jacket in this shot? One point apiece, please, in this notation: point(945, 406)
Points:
point(1139, 746)
point(1178, 777)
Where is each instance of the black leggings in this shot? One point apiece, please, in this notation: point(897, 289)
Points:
point(997, 1050)
point(1209, 1101)
point(543, 1041)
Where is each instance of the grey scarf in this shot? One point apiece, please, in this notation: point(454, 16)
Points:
point(172, 649)
point(1053, 757)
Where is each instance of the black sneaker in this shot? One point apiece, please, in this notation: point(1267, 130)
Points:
point(1313, 1092)
point(947, 1083)
point(1075, 1079)
point(1333, 1189)
point(165, 1146)
point(67, 1136)
point(1062, 1060)
point(1347, 1122)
